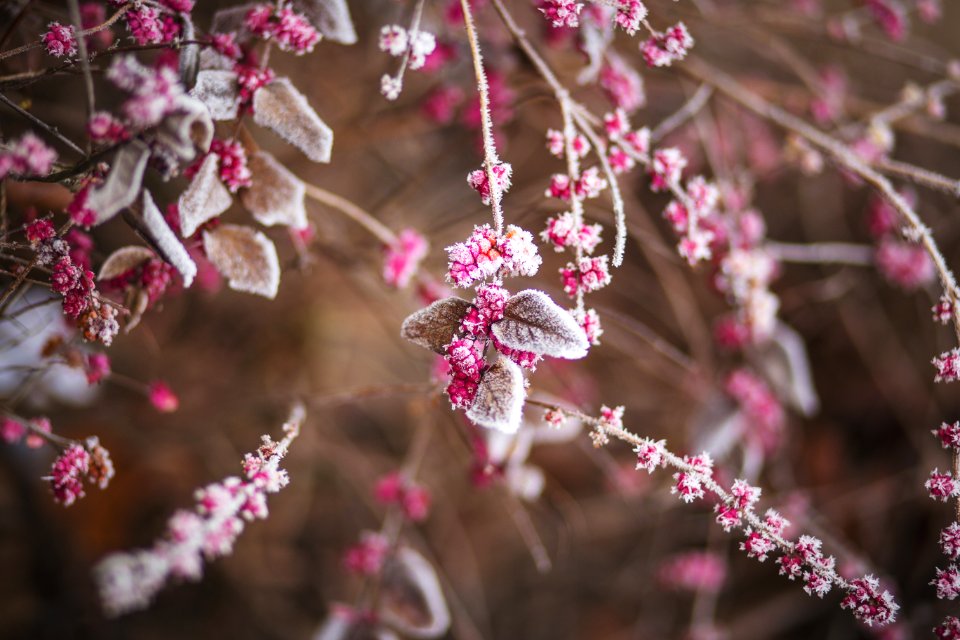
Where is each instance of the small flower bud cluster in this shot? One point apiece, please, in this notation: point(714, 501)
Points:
point(145, 25)
point(479, 181)
point(366, 558)
point(290, 30)
point(75, 463)
point(760, 405)
point(412, 498)
point(14, 432)
point(129, 581)
point(28, 156)
point(630, 15)
point(402, 258)
point(663, 49)
point(693, 571)
point(485, 254)
point(60, 41)
point(103, 128)
point(561, 13)
point(622, 85)
point(417, 45)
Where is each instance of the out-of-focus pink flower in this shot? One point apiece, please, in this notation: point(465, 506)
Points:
point(693, 571)
point(402, 257)
point(59, 40)
point(162, 397)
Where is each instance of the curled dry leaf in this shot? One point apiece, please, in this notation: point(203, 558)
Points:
point(433, 327)
point(783, 360)
point(189, 129)
point(217, 89)
point(245, 257)
point(330, 17)
point(204, 198)
point(280, 107)
point(166, 241)
point(499, 400)
point(411, 600)
point(276, 196)
point(122, 185)
point(533, 322)
point(123, 260)
point(347, 625)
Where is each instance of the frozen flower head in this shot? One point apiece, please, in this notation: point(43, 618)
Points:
point(561, 13)
point(663, 49)
point(630, 15)
point(162, 397)
point(474, 259)
point(393, 39)
point(479, 180)
point(59, 40)
point(520, 255)
point(693, 571)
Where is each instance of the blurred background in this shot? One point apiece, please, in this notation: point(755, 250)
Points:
point(586, 559)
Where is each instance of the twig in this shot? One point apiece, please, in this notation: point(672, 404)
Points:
point(352, 211)
point(689, 109)
point(40, 123)
point(822, 252)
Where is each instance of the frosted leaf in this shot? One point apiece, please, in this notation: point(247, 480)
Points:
point(204, 199)
point(279, 106)
point(189, 129)
point(245, 257)
point(211, 59)
point(330, 17)
point(232, 19)
point(342, 625)
point(218, 90)
point(525, 481)
point(499, 400)
point(411, 599)
point(784, 362)
point(434, 327)
point(276, 195)
point(122, 185)
point(533, 322)
point(122, 260)
point(166, 241)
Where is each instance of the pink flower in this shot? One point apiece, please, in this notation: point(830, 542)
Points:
point(233, 164)
point(890, 16)
point(612, 417)
point(589, 321)
point(66, 475)
point(649, 455)
point(950, 541)
point(622, 85)
point(226, 45)
point(162, 397)
point(590, 275)
point(904, 263)
point(28, 156)
point(949, 629)
point(103, 128)
point(11, 431)
point(554, 418)
point(476, 258)
point(402, 258)
point(666, 168)
point(389, 488)
point(520, 255)
point(37, 425)
point(693, 571)
point(367, 556)
point(501, 174)
point(943, 310)
point(180, 6)
point(616, 123)
point(869, 605)
point(948, 366)
point(78, 210)
point(561, 13)
point(416, 503)
point(145, 25)
point(440, 105)
point(59, 40)
point(759, 403)
point(664, 49)
point(630, 15)
point(39, 231)
point(294, 33)
point(97, 367)
point(941, 486)
point(466, 365)
point(258, 22)
point(757, 545)
point(93, 14)
point(250, 78)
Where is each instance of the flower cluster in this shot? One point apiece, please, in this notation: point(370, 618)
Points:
point(561, 13)
point(129, 581)
point(76, 462)
point(402, 257)
point(28, 156)
point(415, 46)
point(60, 41)
point(30, 433)
point(485, 253)
point(290, 30)
point(479, 181)
point(414, 499)
point(663, 49)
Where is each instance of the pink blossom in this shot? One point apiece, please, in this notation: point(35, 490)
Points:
point(520, 255)
point(59, 40)
point(78, 210)
point(731, 333)
point(155, 91)
point(416, 503)
point(630, 15)
point(590, 184)
point(950, 541)
point(257, 20)
point(250, 78)
point(948, 366)
point(589, 321)
point(775, 522)
point(488, 306)
point(226, 45)
point(941, 486)
point(180, 6)
point(561, 13)
point(11, 431)
point(638, 140)
point(689, 484)
point(559, 187)
point(868, 604)
point(440, 105)
point(103, 128)
point(234, 172)
point(649, 455)
point(27, 156)
point(93, 14)
point(466, 365)
point(97, 367)
point(67, 473)
point(666, 168)
point(554, 418)
point(294, 33)
point(39, 231)
point(663, 49)
point(943, 310)
point(367, 556)
point(622, 85)
point(744, 495)
point(162, 397)
point(693, 571)
point(612, 417)
point(37, 426)
point(389, 488)
point(757, 545)
point(758, 402)
point(589, 275)
point(949, 629)
point(144, 25)
point(402, 257)
point(890, 16)
point(478, 179)
point(616, 123)
point(904, 263)
point(476, 258)
point(620, 161)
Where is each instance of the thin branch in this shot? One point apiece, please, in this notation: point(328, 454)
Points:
point(822, 253)
point(689, 109)
point(40, 123)
point(352, 211)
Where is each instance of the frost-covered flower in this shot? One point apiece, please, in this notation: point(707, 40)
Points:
point(561, 13)
point(663, 49)
point(868, 603)
point(589, 275)
point(393, 39)
point(666, 168)
point(630, 15)
point(474, 259)
point(162, 397)
point(948, 366)
point(941, 486)
point(145, 25)
point(479, 181)
point(905, 264)
point(59, 40)
point(103, 128)
point(649, 454)
point(66, 476)
point(402, 257)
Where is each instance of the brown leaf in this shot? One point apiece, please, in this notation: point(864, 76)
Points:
point(499, 401)
point(189, 129)
point(204, 199)
point(246, 257)
point(411, 599)
point(433, 327)
point(218, 91)
point(330, 17)
point(166, 241)
point(122, 185)
point(279, 106)
point(784, 362)
point(276, 195)
point(533, 322)
point(122, 260)
point(232, 19)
